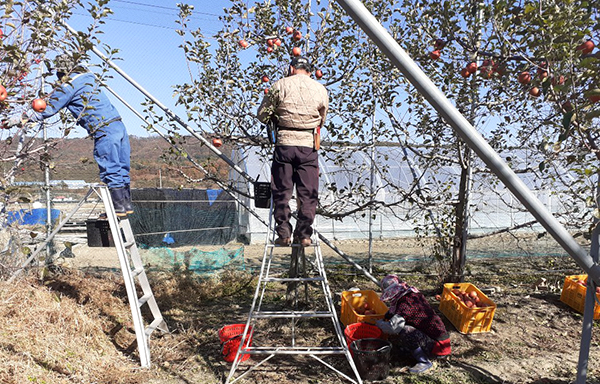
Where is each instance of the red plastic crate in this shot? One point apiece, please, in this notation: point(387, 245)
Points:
point(465, 319)
point(351, 300)
point(573, 294)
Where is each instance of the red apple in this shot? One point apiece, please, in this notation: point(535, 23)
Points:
point(594, 98)
point(216, 142)
point(535, 92)
point(270, 42)
point(265, 79)
point(435, 55)
point(244, 44)
point(472, 67)
point(524, 78)
point(465, 73)
point(486, 72)
point(542, 73)
point(487, 63)
point(38, 105)
point(296, 51)
point(269, 49)
point(266, 90)
point(558, 80)
point(593, 95)
point(1, 34)
point(297, 35)
point(318, 73)
point(3, 93)
point(277, 42)
point(586, 47)
point(289, 30)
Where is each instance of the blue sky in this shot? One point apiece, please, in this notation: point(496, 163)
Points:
point(144, 32)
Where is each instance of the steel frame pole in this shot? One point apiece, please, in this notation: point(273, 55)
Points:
point(361, 15)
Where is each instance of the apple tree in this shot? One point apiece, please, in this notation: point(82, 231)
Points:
point(526, 76)
point(31, 34)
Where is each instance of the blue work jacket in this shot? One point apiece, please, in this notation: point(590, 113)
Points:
point(85, 100)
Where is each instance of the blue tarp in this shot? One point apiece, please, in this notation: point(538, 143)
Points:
point(32, 217)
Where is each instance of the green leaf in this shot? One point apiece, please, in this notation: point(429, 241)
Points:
point(593, 114)
point(567, 119)
point(542, 166)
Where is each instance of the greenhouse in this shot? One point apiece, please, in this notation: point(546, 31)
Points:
point(492, 206)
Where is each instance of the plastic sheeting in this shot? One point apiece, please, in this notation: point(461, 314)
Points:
point(174, 217)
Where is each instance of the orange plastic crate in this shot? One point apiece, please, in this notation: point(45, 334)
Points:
point(465, 319)
point(351, 300)
point(573, 294)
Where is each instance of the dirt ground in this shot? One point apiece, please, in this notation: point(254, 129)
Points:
point(534, 337)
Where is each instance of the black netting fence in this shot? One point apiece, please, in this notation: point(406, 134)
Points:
point(183, 217)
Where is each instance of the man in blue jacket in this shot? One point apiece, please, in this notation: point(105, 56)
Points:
point(80, 93)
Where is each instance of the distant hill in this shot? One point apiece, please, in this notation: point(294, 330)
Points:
point(151, 162)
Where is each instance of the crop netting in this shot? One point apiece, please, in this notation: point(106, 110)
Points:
point(173, 217)
point(195, 259)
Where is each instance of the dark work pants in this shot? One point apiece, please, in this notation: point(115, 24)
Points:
point(297, 166)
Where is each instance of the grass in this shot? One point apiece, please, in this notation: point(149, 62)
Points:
point(75, 327)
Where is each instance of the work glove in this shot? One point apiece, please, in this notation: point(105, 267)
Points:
point(392, 327)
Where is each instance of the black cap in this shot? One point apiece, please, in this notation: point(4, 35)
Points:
point(300, 62)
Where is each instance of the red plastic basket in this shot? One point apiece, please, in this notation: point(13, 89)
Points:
point(357, 331)
point(230, 336)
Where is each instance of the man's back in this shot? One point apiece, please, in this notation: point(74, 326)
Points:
point(302, 102)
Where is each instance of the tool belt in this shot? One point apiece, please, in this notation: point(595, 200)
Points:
point(316, 134)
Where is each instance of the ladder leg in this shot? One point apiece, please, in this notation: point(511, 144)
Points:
point(336, 323)
point(126, 249)
point(258, 292)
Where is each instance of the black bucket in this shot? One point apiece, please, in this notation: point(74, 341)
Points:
point(262, 194)
point(98, 233)
point(372, 358)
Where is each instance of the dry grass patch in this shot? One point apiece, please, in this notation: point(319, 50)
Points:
point(64, 332)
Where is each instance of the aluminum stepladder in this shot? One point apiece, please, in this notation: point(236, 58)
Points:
point(255, 313)
point(133, 269)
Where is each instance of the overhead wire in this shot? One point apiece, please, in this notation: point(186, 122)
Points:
point(162, 7)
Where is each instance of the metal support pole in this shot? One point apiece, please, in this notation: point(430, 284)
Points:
point(468, 133)
point(590, 304)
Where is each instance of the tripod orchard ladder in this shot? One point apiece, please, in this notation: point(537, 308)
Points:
point(133, 268)
point(266, 277)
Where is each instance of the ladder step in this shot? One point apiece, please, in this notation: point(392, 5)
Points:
point(292, 246)
point(291, 279)
point(144, 299)
point(153, 326)
point(290, 314)
point(293, 351)
point(129, 244)
point(136, 272)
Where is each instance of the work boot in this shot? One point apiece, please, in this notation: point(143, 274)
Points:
point(423, 362)
point(305, 242)
point(119, 198)
point(127, 202)
point(283, 241)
